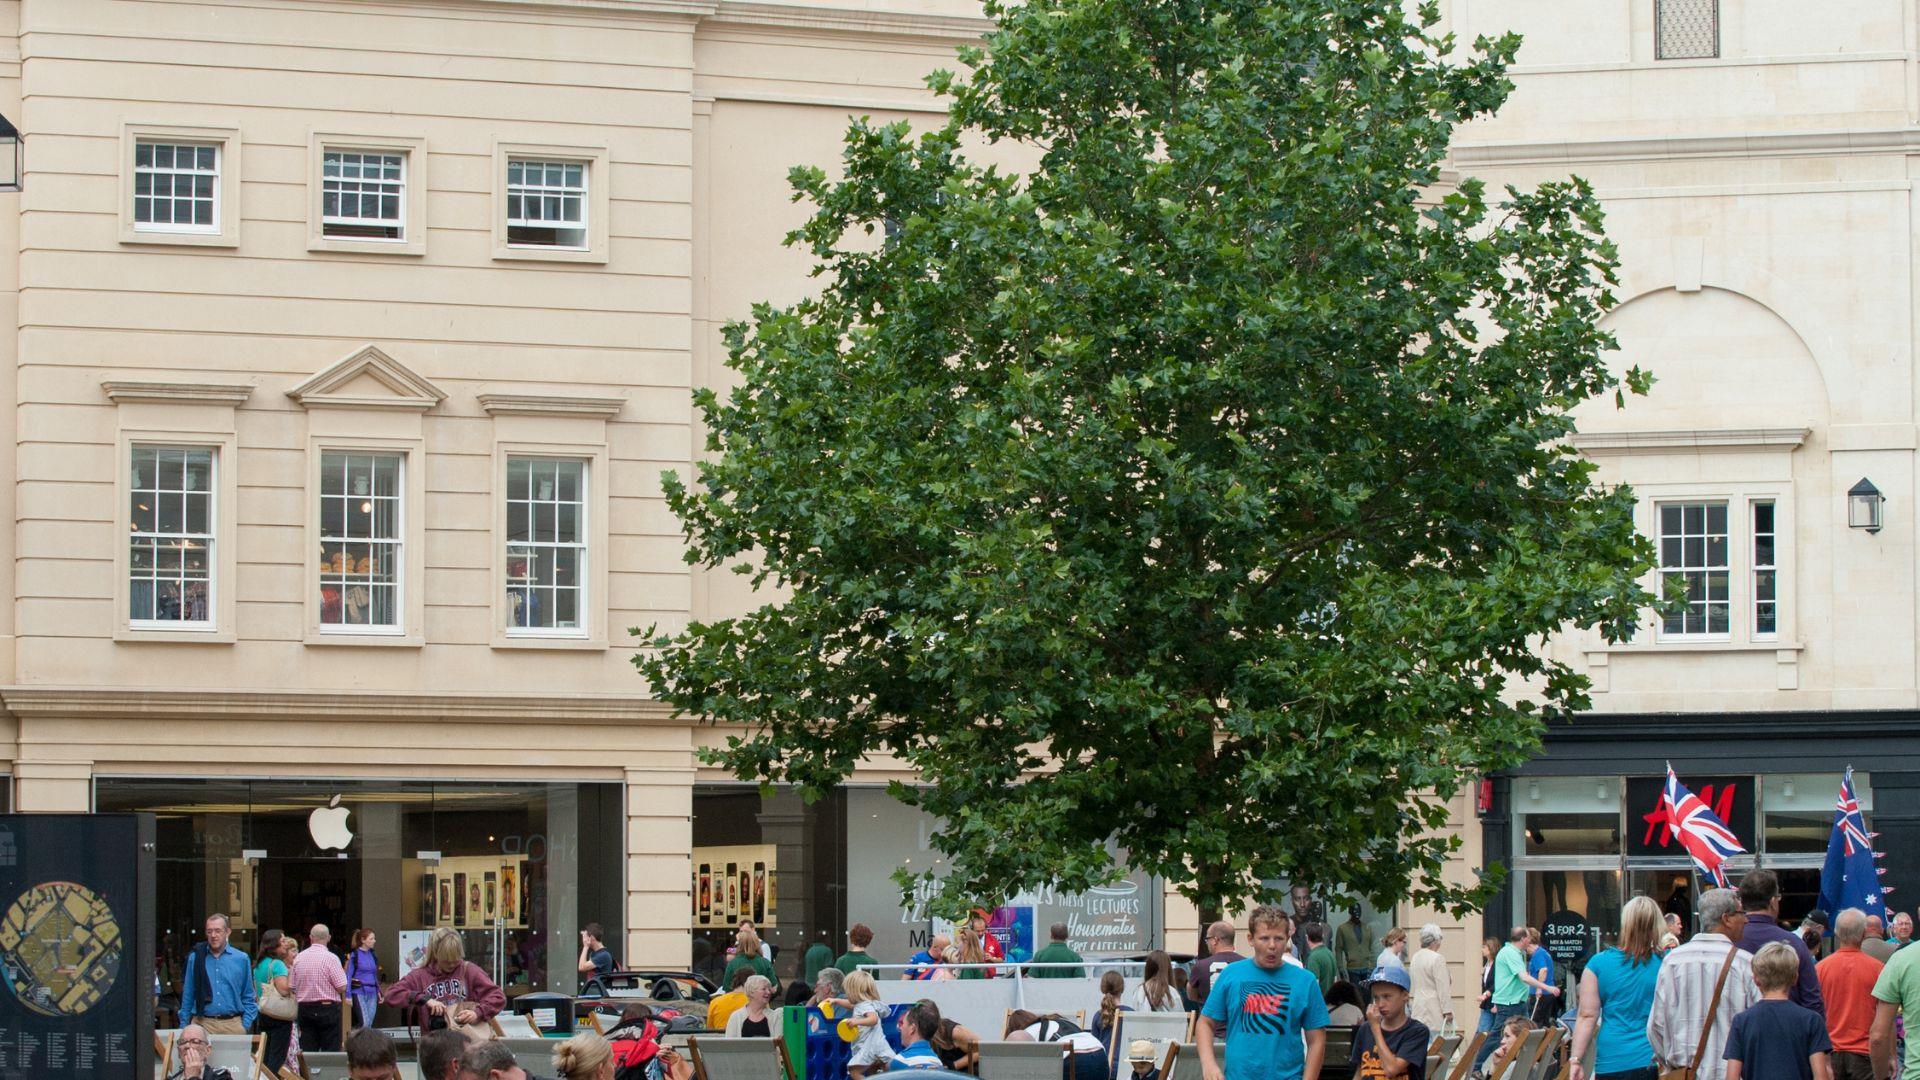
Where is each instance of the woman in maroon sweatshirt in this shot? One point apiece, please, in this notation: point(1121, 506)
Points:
point(448, 988)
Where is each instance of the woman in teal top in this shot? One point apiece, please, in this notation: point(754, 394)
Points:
point(276, 949)
point(1616, 991)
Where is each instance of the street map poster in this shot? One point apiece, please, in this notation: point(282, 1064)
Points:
point(76, 946)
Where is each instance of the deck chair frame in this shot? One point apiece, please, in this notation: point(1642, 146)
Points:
point(778, 1049)
point(1465, 1062)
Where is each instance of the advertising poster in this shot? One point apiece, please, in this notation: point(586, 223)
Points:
point(413, 945)
point(510, 893)
point(734, 883)
point(459, 899)
point(76, 946)
point(446, 902)
point(492, 896)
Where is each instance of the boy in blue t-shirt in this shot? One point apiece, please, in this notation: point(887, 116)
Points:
point(1264, 1005)
point(1776, 1039)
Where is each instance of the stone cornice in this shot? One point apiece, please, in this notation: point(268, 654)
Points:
point(124, 391)
point(269, 705)
point(1669, 442)
point(1905, 140)
point(851, 20)
point(581, 405)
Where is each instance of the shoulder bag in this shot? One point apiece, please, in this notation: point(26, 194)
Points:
point(1713, 1009)
point(276, 1004)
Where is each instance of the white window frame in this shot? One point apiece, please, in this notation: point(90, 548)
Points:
point(1740, 499)
point(211, 536)
point(225, 142)
point(573, 435)
point(190, 417)
point(583, 545)
point(1756, 567)
point(410, 605)
point(597, 204)
point(1707, 568)
point(413, 199)
point(398, 542)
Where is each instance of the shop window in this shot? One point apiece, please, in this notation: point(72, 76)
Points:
point(170, 559)
point(360, 540)
point(776, 859)
point(546, 545)
point(512, 866)
point(1798, 811)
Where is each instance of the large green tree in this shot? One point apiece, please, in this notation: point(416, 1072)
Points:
point(1202, 491)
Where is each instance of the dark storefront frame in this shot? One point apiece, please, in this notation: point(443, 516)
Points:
point(1885, 743)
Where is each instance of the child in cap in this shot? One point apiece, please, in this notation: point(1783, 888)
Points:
point(1142, 1056)
point(1390, 1044)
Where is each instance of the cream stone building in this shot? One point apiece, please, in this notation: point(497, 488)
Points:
point(355, 335)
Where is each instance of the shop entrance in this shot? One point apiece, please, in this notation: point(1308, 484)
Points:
point(512, 867)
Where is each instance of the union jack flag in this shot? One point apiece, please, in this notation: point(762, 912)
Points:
point(1703, 834)
point(1850, 879)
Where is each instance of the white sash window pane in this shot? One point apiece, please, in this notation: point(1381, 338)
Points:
point(546, 552)
point(170, 553)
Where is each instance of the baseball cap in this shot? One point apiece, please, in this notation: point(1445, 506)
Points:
point(1140, 1050)
point(1818, 916)
point(1394, 976)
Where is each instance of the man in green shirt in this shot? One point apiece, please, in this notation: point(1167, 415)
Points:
point(1510, 980)
point(1057, 952)
point(859, 938)
point(1897, 991)
point(1320, 958)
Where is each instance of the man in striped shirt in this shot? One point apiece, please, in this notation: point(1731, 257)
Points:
point(1684, 989)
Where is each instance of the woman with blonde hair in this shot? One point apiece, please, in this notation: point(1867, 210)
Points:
point(449, 990)
point(971, 952)
point(746, 954)
point(1155, 992)
point(1392, 953)
point(586, 1056)
point(1616, 993)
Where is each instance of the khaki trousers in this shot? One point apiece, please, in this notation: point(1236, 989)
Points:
point(227, 1025)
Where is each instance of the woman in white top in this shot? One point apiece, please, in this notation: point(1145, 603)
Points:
point(1155, 992)
point(1432, 1002)
point(1395, 942)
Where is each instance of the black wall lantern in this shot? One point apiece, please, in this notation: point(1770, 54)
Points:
point(12, 156)
point(1864, 503)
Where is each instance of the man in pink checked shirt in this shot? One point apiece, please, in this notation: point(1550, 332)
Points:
point(318, 984)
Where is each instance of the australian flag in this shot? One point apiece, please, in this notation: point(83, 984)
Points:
point(1850, 879)
point(1703, 834)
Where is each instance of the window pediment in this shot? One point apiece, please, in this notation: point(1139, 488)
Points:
point(369, 379)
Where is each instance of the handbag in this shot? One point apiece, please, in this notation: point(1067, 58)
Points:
point(276, 1004)
point(1700, 1048)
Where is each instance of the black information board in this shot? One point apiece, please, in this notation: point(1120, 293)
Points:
point(1567, 938)
point(76, 946)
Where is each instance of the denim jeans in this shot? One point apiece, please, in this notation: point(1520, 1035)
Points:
point(1500, 1014)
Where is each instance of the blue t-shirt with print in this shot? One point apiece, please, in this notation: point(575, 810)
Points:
point(1265, 1010)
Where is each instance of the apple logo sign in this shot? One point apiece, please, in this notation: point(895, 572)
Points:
point(328, 825)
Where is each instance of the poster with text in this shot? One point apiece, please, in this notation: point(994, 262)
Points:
point(76, 946)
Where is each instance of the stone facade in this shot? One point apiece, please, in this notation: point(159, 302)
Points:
point(1762, 199)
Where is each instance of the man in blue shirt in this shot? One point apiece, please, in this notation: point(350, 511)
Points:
point(1760, 898)
point(1265, 1006)
point(217, 992)
point(928, 960)
point(916, 1026)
